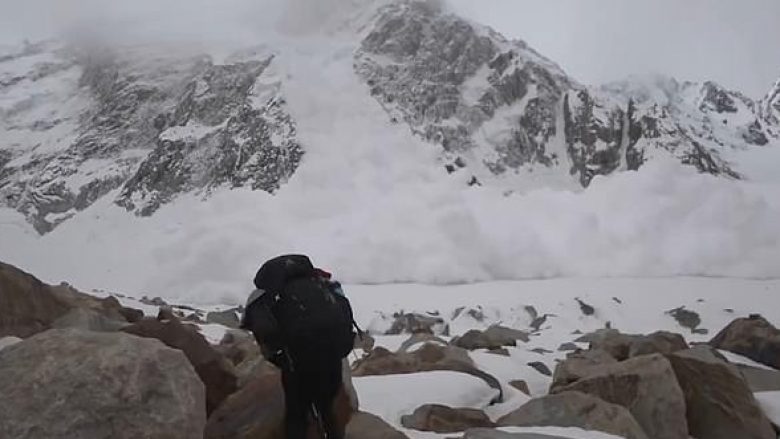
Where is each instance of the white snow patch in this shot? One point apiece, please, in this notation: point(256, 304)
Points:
point(770, 403)
point(739, 359)
point(8, 341)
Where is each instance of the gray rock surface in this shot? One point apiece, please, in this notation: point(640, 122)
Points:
point(753, 337)
point(575, 409)
point(647, 387)
point(442, 419)
point(368, 426)
point(98, 385)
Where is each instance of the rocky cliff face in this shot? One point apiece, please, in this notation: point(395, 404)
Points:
point(144, 125)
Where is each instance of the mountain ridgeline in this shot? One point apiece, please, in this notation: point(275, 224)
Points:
point(144, 125)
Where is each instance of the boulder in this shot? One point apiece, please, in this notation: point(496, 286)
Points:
point(227, 318)
point(757, 379)
point(442, 419)
point(214, 369)
point(541, 368)
point(368, 426)
point(623, 346)
point(719, 402)
point(578, 365)
point(88, 320)
point(414, 323)
point(647, 387)
point(132, 315)
point(256, 411)
point(753, 337)
point(575, 409)
point(79, 384)
point(495, 337)
point(428, 358)
point(364, 341)
point(30, 306)
point(660, 342)
point(485, 433)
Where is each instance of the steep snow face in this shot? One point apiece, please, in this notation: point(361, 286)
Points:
point(771, 108)
point(153, 121)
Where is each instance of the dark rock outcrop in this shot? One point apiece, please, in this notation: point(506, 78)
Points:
point(442, 419)
point(753, 337)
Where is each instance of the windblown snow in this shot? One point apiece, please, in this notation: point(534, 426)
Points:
point(371, 202)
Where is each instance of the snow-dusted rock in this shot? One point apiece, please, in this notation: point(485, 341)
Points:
point(753, 337)
point(443, 419)
point(71, 383)
point(719, 403)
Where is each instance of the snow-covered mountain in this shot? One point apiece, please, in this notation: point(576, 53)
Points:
point(146, 124)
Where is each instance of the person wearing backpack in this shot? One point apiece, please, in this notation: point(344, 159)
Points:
point(303, 324)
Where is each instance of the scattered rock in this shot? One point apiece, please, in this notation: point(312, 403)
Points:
point(194, 318)
point(520, 385)
point(442, 419)
point(495, 337)
point(368, 426)
point(567, 347)
point(157, 301)
point(29, 306)
point(418, 338)
point(686, 318)
point(427, 358)
point(753, 337)
point(585, 308)
point(541, 368)
point(701, 331)
point(414, 323)
point(575, 409)
point(540, 351)
point(98, 385)
point(537, 323)
point(504, 352)
point(729, 310)
point(227, 318)
point(214, 370)
point(618, 301)
point(612, 341)
point(531, 312)
point(647, 387)
point(719, 403)
point(485, 433)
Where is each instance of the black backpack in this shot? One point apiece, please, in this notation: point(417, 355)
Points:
point(310, 315)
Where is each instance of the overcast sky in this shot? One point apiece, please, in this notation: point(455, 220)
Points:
point(734, 42)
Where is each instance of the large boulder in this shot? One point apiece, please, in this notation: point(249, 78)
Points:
point(753, 337)
point(578, 365)
point(79, 384)
point(415, 340)
point(495, 337)
point(216, 372)
point(30, 306)
point(758, 379)
point(227, 318)
point(442, 419)
point(368, 426)
point(257, 411)
point(575, 409)
point(428, 358)
point(719, 402)
point(647, 387)
point(88, 320)
point(624, 346)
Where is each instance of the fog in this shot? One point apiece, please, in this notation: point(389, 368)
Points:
point(734, 43)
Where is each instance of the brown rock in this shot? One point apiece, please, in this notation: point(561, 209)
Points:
point(418, 338)
point(647, 387)
point(520, 385)
point(132, 315)
point(415, 323)
point(30, 306)
point(660, 342)
point(442, 419)
point(368, 426)
point(578, 365)
point(257, 412)
point(753, 337)
point(495, 337)
point(428, 358)
point(214, 370)
point(575, 409)
point(760, 380)
point(719, 403)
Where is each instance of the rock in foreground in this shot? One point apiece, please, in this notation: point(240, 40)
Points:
point(77, 384)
